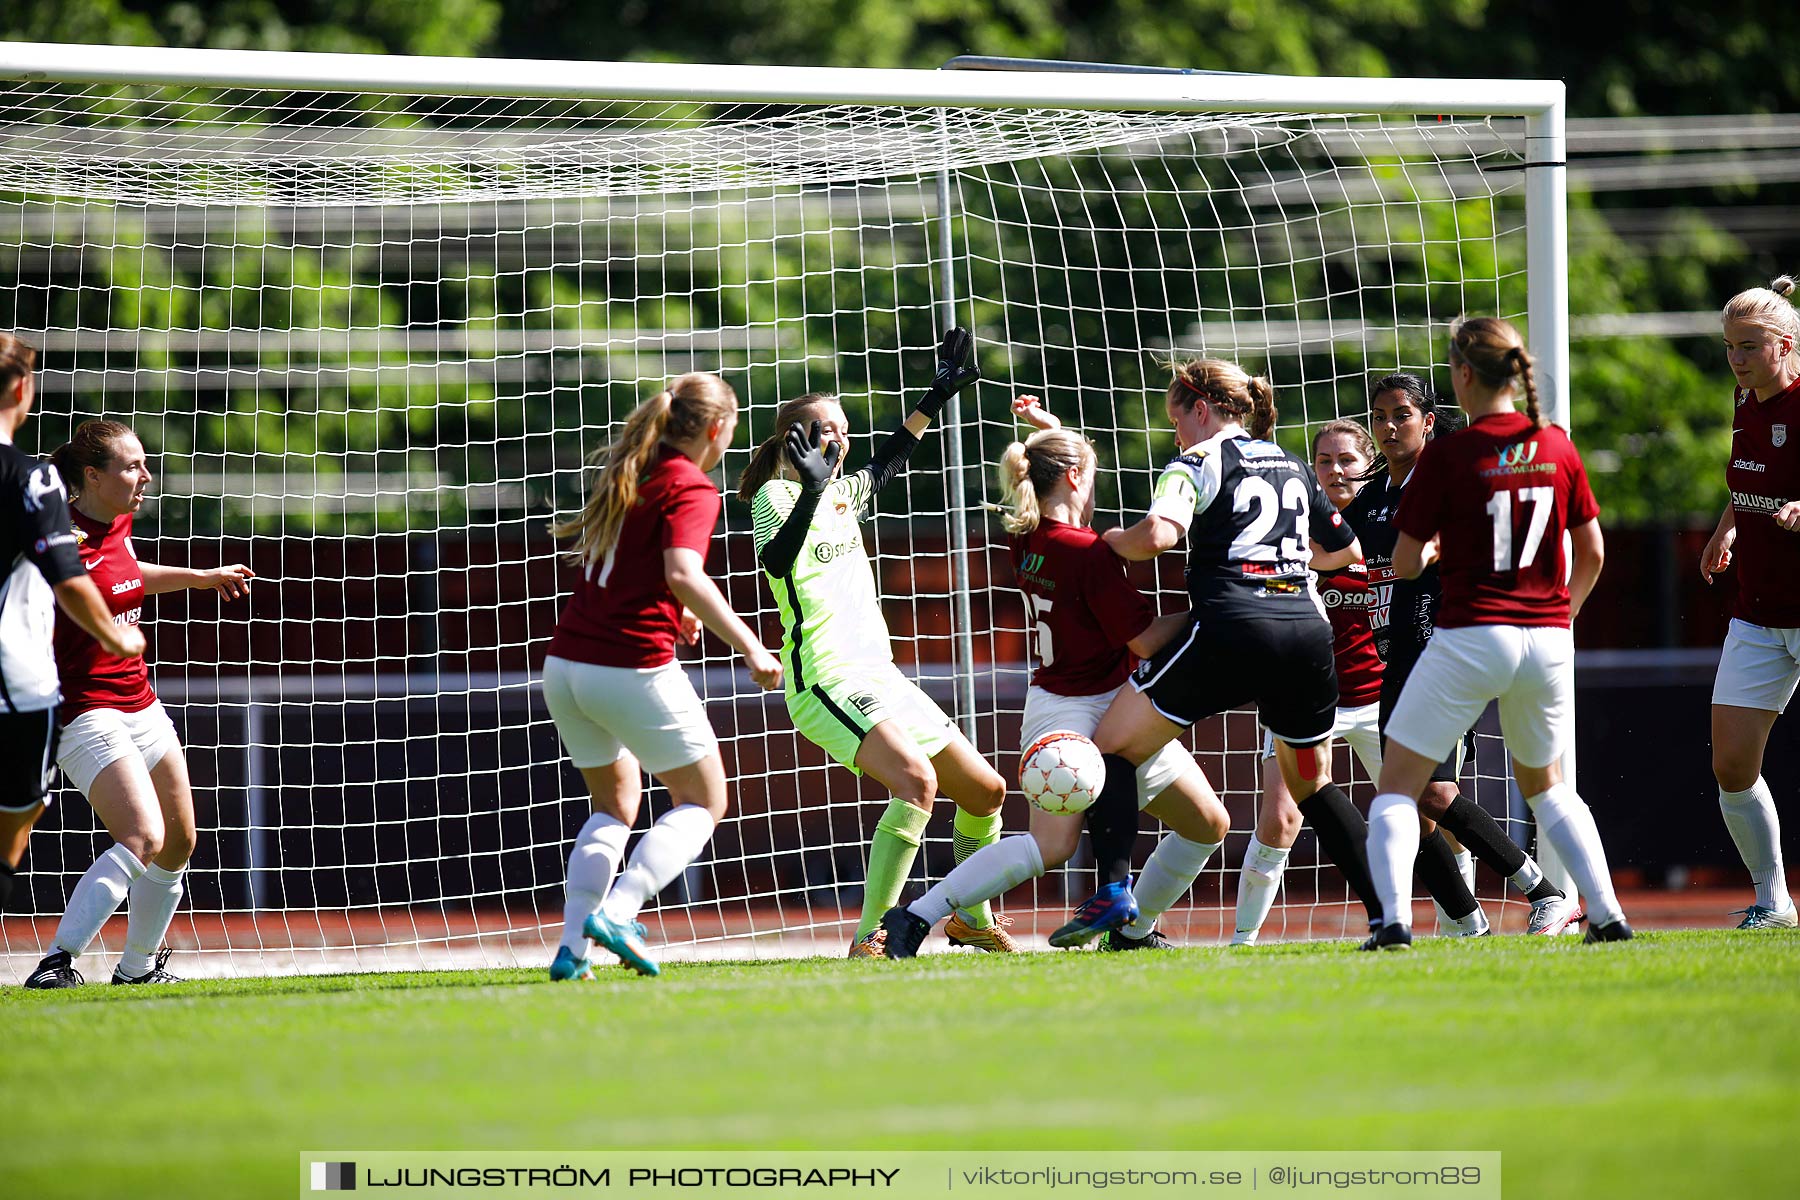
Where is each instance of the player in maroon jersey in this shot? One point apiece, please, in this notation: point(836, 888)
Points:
point(621, 702)
point(1490, 503)
point(1342, 451)
point(1760, 533)
point(1090, 626)
point(119, 748)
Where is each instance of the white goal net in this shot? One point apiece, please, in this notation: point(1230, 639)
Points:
point(368, 339)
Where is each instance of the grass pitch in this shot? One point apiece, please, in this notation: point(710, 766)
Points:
point(1665, 1067)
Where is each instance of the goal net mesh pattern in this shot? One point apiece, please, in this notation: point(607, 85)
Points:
point(368, 340)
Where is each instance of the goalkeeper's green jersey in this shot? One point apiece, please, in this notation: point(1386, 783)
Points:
point(831, 620)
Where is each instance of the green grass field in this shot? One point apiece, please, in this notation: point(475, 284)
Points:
point(1667, 1067)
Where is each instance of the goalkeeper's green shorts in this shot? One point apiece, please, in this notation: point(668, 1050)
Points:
point(837, 714)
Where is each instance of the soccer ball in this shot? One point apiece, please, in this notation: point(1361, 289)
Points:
point(1062, 772)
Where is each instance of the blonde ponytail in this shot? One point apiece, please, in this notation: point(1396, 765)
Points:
point(682, 411)
point(1030, 469)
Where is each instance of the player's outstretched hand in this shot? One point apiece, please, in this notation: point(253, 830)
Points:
point(1031, 410)
point(765, 669)
point(1717, 555)
point(955, 371)
point(1788, 516)
point(815, 467)
point(229, 581)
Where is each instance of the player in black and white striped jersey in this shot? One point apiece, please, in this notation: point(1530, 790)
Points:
point(41, 569)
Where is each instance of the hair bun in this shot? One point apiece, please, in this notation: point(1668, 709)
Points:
point(1782, 285)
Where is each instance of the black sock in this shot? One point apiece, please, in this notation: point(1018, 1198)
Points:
point(1545, 890)
point(1436, 866)
point(6, 881)
point(1473, 827)
point(1344, 837)
point(1112, 822)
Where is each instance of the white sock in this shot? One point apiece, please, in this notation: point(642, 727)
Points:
point(1750, 816)
point(1527, 876)
point(1473, 925)
point(1465, 866)
point(1553, 868)
point(97, 896)
point(1565, 821)
point(1393, 845)
point(598, 848)
point(1258, 882)
point(1170, 872)
point(154, 895)
point(989, 872)
point(664, 852)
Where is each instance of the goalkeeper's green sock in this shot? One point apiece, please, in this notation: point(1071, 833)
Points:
point(891, 854)
point(972, 833)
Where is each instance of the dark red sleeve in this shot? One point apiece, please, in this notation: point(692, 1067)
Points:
point(1421, 507)
point(689, 514)
point(1120, 608)
point(1582, 505)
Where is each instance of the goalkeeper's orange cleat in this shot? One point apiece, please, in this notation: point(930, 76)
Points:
point(872, 944)
point(994, 939)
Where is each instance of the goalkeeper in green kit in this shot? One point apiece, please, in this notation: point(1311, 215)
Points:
point(842, 688)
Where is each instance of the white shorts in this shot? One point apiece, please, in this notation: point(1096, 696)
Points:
point(1531, 671)
point(1359, 727)
point(100, 737)
point(1759, 668)
point(1047, 711)
point(653, 712)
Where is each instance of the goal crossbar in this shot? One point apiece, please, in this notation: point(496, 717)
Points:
point(726, 83)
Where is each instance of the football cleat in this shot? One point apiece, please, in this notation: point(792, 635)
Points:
point(1618, 931)
point(56, 971)
point(1552, 915)
point(905, 932)
point(1245, 937)
point(155, 974)
point(1118, 939)
point(870, 944)
point(1758, 916)
point(994, 939)
point(623, 938)
point(1108, 908)
point(1473, 925)
point(1389, 937)
point(567, 966)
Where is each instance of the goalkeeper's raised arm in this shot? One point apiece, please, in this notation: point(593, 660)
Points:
point(842, 688)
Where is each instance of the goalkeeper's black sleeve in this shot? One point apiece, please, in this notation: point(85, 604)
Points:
point(779, 555)
point(890, 458)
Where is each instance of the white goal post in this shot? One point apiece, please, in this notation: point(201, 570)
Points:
point(369, 313)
